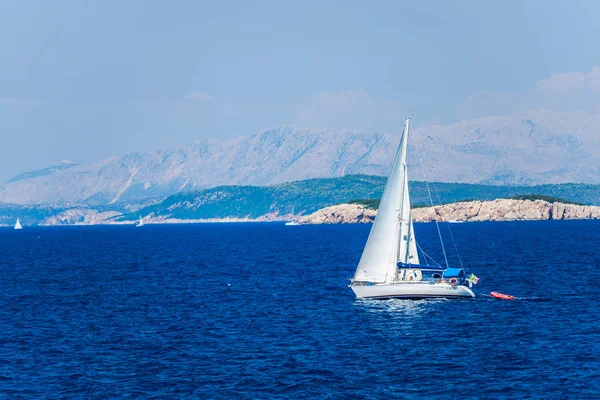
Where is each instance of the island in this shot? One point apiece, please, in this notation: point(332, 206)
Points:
point(522, 208)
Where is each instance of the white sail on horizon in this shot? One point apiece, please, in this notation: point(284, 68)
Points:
point(18, 224)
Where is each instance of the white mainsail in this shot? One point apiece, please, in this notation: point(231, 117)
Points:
point(18, 224)
point(392, 237)
point(141, 223)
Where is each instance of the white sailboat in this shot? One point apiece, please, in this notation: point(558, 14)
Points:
point(140, 223)
point(292, 222)
point(389, 266)
point(18, 224)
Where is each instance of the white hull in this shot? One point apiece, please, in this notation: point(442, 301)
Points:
point(411, 291)
point(292, 223)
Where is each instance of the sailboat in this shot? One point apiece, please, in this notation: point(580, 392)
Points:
point(389, 266)
point(140, 223)
point(18, 224)
point(292, 222)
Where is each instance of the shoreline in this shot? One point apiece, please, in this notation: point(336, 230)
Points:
point(500, 210)
point(208, 222)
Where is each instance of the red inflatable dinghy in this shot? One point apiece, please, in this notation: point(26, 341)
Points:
point(502, 296)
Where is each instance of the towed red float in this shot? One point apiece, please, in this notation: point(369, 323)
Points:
point(502, 296)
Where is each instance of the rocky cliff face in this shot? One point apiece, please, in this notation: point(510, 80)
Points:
point(505, 210)
point(528, 148)
point(82, 216)
point(471, 211)
point(341, 214)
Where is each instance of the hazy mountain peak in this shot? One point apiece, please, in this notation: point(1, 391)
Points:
point(62, 165)
point(527, 148)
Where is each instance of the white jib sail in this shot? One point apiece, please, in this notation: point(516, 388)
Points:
point(392, 238)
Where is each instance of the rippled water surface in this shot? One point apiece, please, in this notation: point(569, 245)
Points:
point(263, 311)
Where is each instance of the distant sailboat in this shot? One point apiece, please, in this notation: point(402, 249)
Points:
point(292, 222)
point(389, 266)
point(18, 224)
point(140, 223)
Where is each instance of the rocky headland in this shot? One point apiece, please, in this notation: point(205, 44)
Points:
point(341, 214)
point(468, 211)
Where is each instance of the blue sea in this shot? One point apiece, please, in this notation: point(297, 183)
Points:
point(263, 311)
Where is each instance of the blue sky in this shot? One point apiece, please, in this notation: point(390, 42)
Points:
point(83, 80)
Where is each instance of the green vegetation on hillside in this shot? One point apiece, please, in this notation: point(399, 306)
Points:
point(254, 201)
point(310, 195)
point(549, 199)
point(372, 204)
point(303, 197)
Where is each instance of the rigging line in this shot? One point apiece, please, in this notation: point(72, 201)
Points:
point(449, 230)
point(422, 254)
point(437, 225)
point(428, 256)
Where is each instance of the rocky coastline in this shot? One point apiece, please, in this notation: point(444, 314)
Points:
point(469, 211)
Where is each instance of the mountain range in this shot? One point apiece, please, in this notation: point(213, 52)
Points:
point(529, 148)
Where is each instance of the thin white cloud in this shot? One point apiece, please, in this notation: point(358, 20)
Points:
point(198, 96)
point(327, 103)
point(571, 82)
point(349, 109)
point(559, 92)
point(11, 100)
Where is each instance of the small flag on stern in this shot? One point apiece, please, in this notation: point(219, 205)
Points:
point(473, 279)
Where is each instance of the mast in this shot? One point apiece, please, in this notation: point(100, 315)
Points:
point(391, 239)
point(407, 245)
